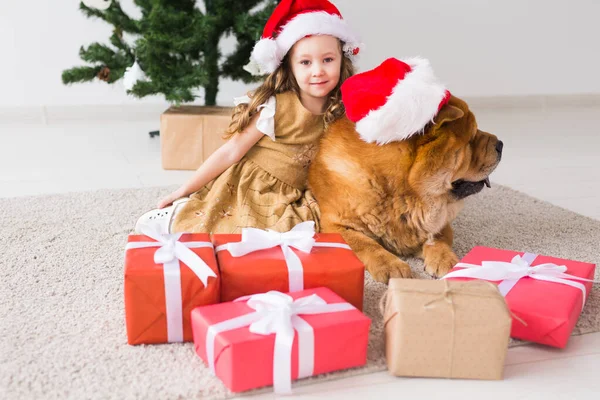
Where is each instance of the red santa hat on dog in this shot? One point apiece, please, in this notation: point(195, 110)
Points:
point(393, 101)
point(293, 20)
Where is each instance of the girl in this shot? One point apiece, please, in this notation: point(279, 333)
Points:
point(258, 178)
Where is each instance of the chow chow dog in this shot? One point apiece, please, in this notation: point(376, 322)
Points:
point(391, 176)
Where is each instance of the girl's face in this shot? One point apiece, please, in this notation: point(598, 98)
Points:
point(316, 62)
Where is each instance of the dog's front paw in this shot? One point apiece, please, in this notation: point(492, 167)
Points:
point(440, 261)
point(394, 269)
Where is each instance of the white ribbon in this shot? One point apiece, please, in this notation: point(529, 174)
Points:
point(300, 237)
point(278, 313)
point(520, 267)
point(170, 252)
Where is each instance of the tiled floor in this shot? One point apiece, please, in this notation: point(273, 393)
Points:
point(552, 153)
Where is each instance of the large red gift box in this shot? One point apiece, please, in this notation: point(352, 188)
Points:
point(544, 311)
point(146, 309)
point(325, 341)
point(335, 267)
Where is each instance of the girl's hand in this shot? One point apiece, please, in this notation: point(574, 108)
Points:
point(168, 200)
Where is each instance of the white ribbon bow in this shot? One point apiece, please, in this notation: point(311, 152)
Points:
point(170, 252)
point(520, 267)
point(300, 237)
point(278, 313)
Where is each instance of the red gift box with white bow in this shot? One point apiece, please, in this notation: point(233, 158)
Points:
point(546, 295)
point(273, 338)
point(261, 260)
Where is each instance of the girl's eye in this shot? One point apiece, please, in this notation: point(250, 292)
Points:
point(305, 62)
point(329, 59)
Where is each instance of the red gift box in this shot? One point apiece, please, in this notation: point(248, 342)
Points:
point(270, 266)
point(161, 293)
point(290, 336)
point(545, 294)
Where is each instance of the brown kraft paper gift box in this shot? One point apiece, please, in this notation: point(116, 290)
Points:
point(189, 134)
point(445, 329)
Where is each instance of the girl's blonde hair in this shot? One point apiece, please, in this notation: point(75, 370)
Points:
point(282, 80)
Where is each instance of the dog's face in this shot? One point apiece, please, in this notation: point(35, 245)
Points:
point(453, 155)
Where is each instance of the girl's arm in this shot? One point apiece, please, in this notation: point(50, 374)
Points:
point(224, 157)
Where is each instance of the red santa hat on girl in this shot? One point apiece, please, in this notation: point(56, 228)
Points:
point(293, 20)
point(393, 101)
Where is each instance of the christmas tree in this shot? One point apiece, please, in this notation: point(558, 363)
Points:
point(175, 46)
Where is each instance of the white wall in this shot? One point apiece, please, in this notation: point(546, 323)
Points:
point(477, 47)
point(489, 47)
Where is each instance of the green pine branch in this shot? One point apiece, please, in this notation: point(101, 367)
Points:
point(80, 74)
point(97, 53)
point(117, 41)
point(144, 5)
point(101, 54)
point(114, 15)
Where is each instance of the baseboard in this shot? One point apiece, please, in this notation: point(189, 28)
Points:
point(24, 114)
point(75, 113)
point(534, 101)
point(137, 112)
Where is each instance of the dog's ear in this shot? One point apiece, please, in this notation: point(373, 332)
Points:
point(448, 113)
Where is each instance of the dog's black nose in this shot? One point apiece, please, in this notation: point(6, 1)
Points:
point(499, 146)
